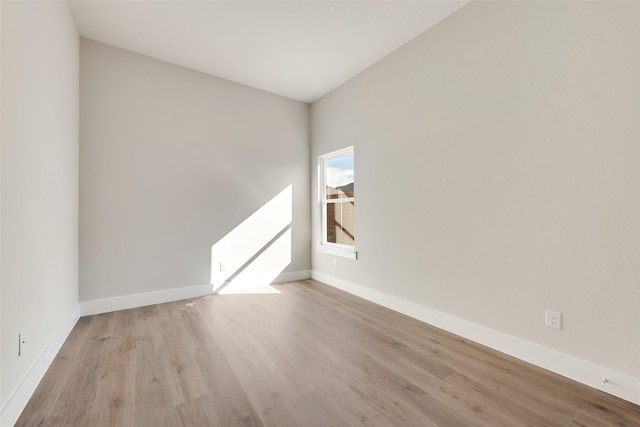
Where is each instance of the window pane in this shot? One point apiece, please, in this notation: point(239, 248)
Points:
point(340, 223)
point(341, 192)
point(339, 176)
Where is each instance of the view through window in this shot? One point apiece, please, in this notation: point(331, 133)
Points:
point(338, 203)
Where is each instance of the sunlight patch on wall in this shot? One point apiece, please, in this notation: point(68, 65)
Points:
point(253, 254)
point(259, 274)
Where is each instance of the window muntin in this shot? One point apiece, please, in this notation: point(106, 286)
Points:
point(337, 198)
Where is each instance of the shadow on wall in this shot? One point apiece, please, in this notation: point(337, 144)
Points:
point(252, 255)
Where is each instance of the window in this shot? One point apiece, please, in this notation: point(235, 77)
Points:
point(337, 202)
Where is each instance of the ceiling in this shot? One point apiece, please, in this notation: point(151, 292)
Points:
point(298, 49)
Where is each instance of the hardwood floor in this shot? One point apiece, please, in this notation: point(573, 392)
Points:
point(310, 355)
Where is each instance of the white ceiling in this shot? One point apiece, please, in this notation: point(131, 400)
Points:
point(298, 49)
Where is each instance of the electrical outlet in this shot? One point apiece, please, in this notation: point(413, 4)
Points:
point(335, 262)
point(21, 342)
point(553, 319)
point(223, 266)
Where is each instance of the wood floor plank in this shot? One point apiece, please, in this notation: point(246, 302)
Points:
point(198, 412)
point(114, 401)
point(310, 355)
point(333, 382)
point(253, 374)
point(392, 406)
point(74, 406)
point(181, 368)
point(227, 396)
point(438, 412)
point(472, 406)
point(313, 407)
point(229, 337)
point(113, 405)
point(152, 391)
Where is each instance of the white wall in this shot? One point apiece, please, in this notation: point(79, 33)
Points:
point(171, 160)
point(498, 173)
point(1, 395)
point(39, 183)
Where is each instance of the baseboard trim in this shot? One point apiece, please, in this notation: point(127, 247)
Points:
point(619, 384)
point(124, 302)
point(20, 397)
point(292, 276)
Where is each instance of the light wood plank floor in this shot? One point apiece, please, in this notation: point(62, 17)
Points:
point(308, 356)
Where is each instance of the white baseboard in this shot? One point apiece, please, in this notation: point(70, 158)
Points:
point(124, 302)
point(619, 384)
point(20, 397)
point(292, 276)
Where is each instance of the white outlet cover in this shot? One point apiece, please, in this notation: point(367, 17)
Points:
point(553, 319)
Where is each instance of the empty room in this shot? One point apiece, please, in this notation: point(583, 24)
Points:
point(313, 213)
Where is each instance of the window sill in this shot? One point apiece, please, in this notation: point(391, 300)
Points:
point(344, 253)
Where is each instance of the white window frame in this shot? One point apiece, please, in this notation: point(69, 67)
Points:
point(336, 249)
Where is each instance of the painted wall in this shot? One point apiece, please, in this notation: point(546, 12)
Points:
point(171, 161)
point(1, 395)
point(39, 180)
point(497, 173)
